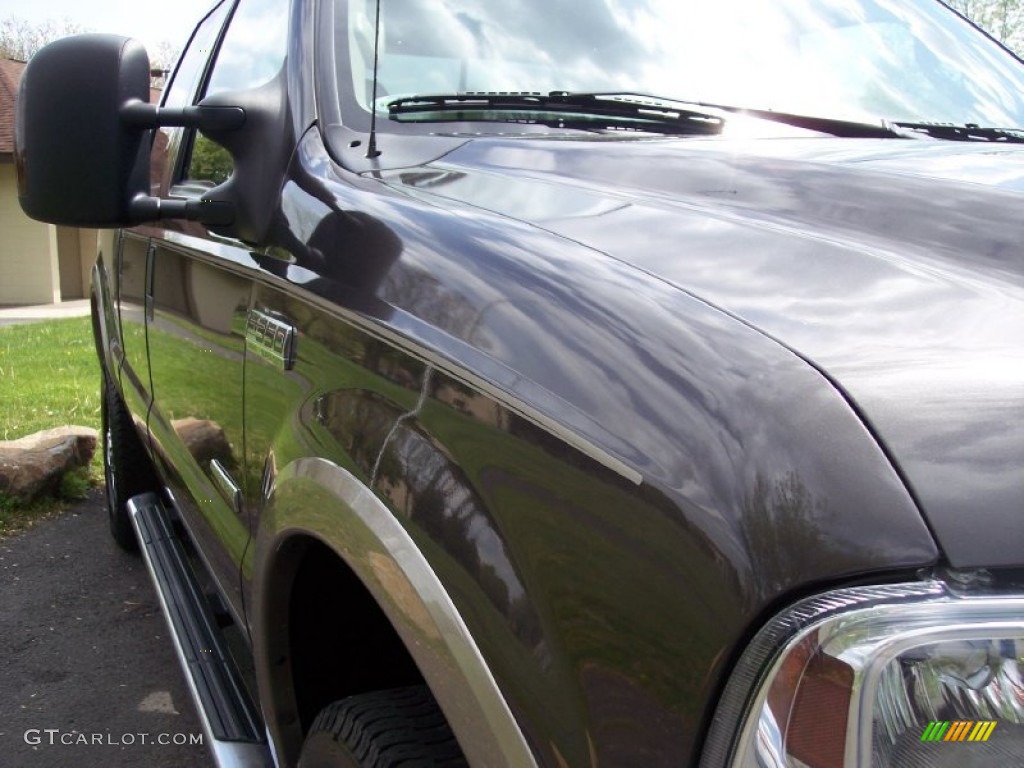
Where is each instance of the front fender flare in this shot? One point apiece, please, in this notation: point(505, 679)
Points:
point(314, 498)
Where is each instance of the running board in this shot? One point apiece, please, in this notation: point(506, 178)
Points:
point(231, 727)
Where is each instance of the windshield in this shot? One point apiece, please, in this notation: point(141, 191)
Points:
point(899, 60)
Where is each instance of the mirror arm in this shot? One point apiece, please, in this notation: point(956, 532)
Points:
point(212, 213)
point(139, 114)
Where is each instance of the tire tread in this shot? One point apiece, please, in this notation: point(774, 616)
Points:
point(399, 728)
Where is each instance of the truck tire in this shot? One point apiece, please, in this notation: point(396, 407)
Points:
point(125, 466)
point(403, 726)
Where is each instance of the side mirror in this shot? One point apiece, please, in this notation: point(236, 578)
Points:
point(83, 134)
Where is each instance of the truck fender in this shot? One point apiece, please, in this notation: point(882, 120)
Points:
point(313, 498)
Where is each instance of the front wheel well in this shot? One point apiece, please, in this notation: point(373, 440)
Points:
point(340, 642)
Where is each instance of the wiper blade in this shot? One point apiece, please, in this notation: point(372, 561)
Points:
point(832, 126)
point(563, 109)
point(846, 129)
point(965, 132)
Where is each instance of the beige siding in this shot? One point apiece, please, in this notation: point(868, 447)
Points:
point(28, 250)
point(88, 244)
point(76, 250)
point(70, 258)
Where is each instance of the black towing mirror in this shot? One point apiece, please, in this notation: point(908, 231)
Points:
point(83, 132)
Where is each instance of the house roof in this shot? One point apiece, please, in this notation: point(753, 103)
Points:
point(10, 77)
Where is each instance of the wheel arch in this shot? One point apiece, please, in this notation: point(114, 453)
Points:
point(320, 518)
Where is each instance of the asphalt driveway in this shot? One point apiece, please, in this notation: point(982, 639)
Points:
point(88, 676)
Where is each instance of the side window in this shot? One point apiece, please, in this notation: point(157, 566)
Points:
point(250, 55)
point(182, 90)
point(192, 64)
point(254, 46)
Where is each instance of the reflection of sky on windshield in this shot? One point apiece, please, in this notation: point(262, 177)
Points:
point(844, 58)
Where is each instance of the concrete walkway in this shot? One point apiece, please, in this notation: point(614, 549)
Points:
point(32, 313)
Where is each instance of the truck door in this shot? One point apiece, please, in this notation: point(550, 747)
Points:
point(197, 325)
point(195, 361)
point(132, 289)
point(134, 260)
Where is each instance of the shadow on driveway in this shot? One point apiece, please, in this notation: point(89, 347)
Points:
point(88, 674)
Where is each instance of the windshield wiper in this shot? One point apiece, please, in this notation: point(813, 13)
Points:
point(654, 112)
point(965, 132)
point(562, 109)
point(846, 129)
point(631, 112)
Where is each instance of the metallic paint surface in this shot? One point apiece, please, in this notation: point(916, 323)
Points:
point(618, 401)
point(893, 266)
point(469, 370)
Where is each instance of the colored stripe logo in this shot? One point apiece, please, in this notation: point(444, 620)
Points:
point(959, 730)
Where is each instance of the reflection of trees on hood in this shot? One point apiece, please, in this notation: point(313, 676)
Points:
point(785, 529)
point(423, 295)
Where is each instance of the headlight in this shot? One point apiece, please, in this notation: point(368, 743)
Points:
point(897, 676)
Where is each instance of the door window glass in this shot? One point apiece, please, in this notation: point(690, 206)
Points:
point(250, 55)
point(192, 64)
point(181, 93)
point(254, 46)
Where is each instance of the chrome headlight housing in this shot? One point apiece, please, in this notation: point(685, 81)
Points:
point(892, 676)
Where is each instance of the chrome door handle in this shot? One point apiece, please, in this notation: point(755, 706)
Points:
point(228, 487)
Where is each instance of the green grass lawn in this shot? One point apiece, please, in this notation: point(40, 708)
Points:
point(49, 377)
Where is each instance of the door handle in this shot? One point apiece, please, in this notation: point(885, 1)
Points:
point(227, 485)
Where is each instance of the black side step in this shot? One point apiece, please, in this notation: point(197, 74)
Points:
point(233, 730)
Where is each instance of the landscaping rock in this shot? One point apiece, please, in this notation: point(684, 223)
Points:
point(205, 440)
point(33, 465)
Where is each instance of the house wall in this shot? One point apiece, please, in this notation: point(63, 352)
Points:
point(76, 252)
point(29, 267)
point(69, 256)
point(89, 246)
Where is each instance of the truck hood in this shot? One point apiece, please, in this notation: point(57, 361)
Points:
point(894, 267)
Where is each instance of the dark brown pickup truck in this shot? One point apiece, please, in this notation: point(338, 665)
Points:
point(608, 383)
